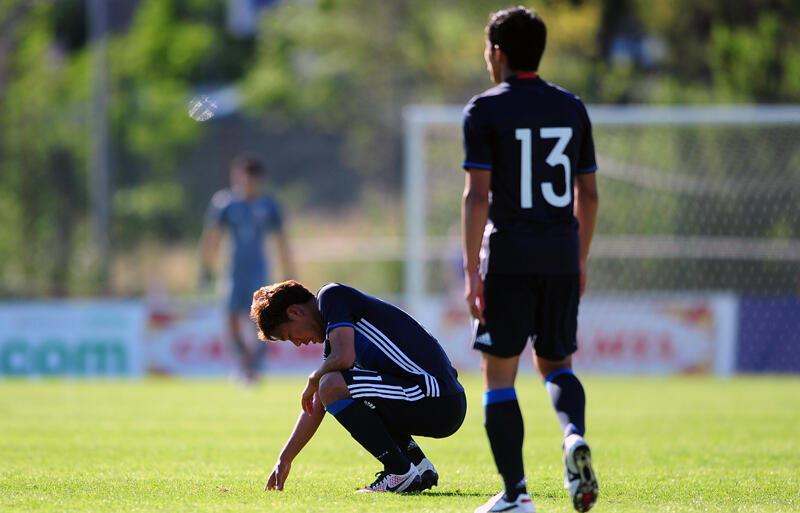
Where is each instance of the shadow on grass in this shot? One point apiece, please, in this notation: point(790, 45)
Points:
point(458, 493)
point(454, 493)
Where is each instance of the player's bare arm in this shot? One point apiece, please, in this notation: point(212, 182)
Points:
point(341, 357)
point(587, 201)
point(285, 254)
point(304, 429)
point(474, 213)
point(210, 246)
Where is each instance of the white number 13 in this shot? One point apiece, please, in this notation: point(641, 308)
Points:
point(555, 158)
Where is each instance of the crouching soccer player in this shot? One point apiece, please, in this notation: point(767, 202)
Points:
point(383, 377)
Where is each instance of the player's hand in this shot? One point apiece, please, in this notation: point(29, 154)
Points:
point(583, 276)
point(278, 476)
point(307, 399)
point(473, 292)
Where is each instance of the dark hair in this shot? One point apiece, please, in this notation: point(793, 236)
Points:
point(521, 34)
point(249, 162)
point(270, 303)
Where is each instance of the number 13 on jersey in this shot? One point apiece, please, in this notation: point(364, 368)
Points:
point(555, 158)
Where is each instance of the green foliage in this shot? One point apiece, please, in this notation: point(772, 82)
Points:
point(745, 62)
point(151, 84)
point(356, 64)
point(658, 444)
point(45, 132)
point(159, 44)
point(734, 51)
point(161, 203)
point(343, 66)
point(41, 174)
point(350, 66)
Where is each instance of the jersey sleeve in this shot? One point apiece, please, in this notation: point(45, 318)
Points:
point(217, 208)
point(477, 148)
point(587, 162)
point(337, 304)
point(276, 217)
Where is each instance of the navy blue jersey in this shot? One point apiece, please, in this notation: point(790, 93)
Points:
point(388, 340)
point(534, 138)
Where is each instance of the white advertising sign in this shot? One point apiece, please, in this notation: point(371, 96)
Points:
point(60, 338)
point(627, 334)
point(661, 334)
point(188, 339)
point(191, 339)
point(617, 334)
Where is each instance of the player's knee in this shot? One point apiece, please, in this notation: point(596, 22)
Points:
point(332, 388)
point(547, 367)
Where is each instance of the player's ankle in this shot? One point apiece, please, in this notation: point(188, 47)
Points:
point(414, 453)
point(512, 492)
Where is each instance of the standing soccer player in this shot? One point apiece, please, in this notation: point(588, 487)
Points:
point(526, 239)
point(383, 377)
point(250, 217)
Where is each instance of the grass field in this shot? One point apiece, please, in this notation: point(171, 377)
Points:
point(659, 444)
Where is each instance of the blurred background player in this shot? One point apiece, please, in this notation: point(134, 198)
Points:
point(249, 217)
point(528, 143)
point(383, 377)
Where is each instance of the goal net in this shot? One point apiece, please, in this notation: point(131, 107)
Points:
point(692, 200)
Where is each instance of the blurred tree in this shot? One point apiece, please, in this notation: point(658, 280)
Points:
point(345, 67)
point(168, 47)
point(349, 67)
point(746, 62)
point(41, 107)
point(715, 51)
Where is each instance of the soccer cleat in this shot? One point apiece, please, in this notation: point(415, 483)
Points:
point(523, 504)
point(386, 482)
point(579, 478)
point(428, 475)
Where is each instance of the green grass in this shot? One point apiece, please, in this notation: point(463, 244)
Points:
point(658, 444)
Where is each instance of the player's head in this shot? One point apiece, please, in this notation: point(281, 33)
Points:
point(515, 38)
point(247, 171)
point(287, 311)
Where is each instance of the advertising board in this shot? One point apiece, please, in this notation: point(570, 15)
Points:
point(622, 334)
point(190, 339)
point(69, 338)
point(617, 334)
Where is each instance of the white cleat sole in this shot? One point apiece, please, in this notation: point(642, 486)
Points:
point(585, 490)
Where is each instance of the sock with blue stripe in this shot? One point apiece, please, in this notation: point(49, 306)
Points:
point(365, 426)
point(568, 399)
point(503, 422)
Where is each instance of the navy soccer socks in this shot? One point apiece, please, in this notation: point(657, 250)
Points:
point(503, 422)
point(366, 428)
point(409, 448)
point(569, 400)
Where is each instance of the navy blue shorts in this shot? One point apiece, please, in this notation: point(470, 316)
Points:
point(403, 405)
point(541, 307)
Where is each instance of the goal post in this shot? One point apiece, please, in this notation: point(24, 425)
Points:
point(692, 197)
point(417, 119)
